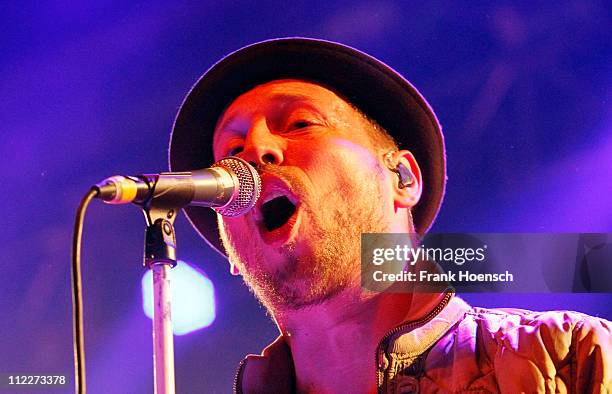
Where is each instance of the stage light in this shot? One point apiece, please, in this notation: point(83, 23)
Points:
point(193, 298)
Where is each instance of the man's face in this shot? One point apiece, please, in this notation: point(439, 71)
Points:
point(322, 186)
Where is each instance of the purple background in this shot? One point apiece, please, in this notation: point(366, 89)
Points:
point(91, 90)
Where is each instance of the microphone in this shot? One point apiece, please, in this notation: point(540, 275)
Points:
point(231, 186)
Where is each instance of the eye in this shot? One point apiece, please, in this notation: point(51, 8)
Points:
point(300, 124)
point(234, 151)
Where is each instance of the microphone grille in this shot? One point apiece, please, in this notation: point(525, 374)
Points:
point(249, 186)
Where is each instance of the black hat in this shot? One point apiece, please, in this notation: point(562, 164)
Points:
point(367, 83)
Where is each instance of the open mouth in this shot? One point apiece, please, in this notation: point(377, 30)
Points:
point(277, 212)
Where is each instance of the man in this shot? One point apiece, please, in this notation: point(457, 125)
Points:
point(344, 146)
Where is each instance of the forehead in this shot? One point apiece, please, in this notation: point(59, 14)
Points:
point(281, 94)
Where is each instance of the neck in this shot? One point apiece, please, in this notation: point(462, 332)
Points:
point(340, 336)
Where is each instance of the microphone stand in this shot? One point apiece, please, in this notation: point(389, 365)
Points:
point(160, 257)
point(234, 187)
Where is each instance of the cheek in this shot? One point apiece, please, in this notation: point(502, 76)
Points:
point(315, 150)
point(336, 157)
point(340, 171)
point(356, 151)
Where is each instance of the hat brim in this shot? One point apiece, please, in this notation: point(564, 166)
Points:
point(369, 84)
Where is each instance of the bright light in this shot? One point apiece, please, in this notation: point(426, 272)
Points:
point(193, 298)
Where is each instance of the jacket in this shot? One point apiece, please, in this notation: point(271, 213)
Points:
point(458, 348)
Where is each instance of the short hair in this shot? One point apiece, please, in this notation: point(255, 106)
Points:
point(380, 138)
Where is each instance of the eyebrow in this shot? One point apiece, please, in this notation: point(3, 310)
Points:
point(278, 98)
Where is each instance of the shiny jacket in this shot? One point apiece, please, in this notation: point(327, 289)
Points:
point(458, 349)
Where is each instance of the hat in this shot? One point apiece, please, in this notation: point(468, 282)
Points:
point(370, 85)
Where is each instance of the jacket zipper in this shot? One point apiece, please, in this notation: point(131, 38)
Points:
point(413, 324)
point(238, 377)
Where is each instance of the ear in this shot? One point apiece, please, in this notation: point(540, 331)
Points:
point(407, 181)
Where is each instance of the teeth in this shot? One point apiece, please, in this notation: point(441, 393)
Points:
point(273, 194)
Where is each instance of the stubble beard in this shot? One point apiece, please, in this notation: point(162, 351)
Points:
point(333, 263)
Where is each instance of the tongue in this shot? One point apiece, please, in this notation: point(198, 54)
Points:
point(277, 212)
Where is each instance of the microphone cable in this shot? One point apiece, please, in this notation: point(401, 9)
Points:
point(77, 293)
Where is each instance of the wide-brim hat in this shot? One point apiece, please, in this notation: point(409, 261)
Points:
point(367, 83)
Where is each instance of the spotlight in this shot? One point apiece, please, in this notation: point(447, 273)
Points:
point(193, 298)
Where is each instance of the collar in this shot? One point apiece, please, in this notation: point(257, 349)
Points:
point(273, 370)
point(412, 342)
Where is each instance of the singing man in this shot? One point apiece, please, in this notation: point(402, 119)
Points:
point(345, 145)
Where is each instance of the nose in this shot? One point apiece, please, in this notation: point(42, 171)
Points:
point(261, 146)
